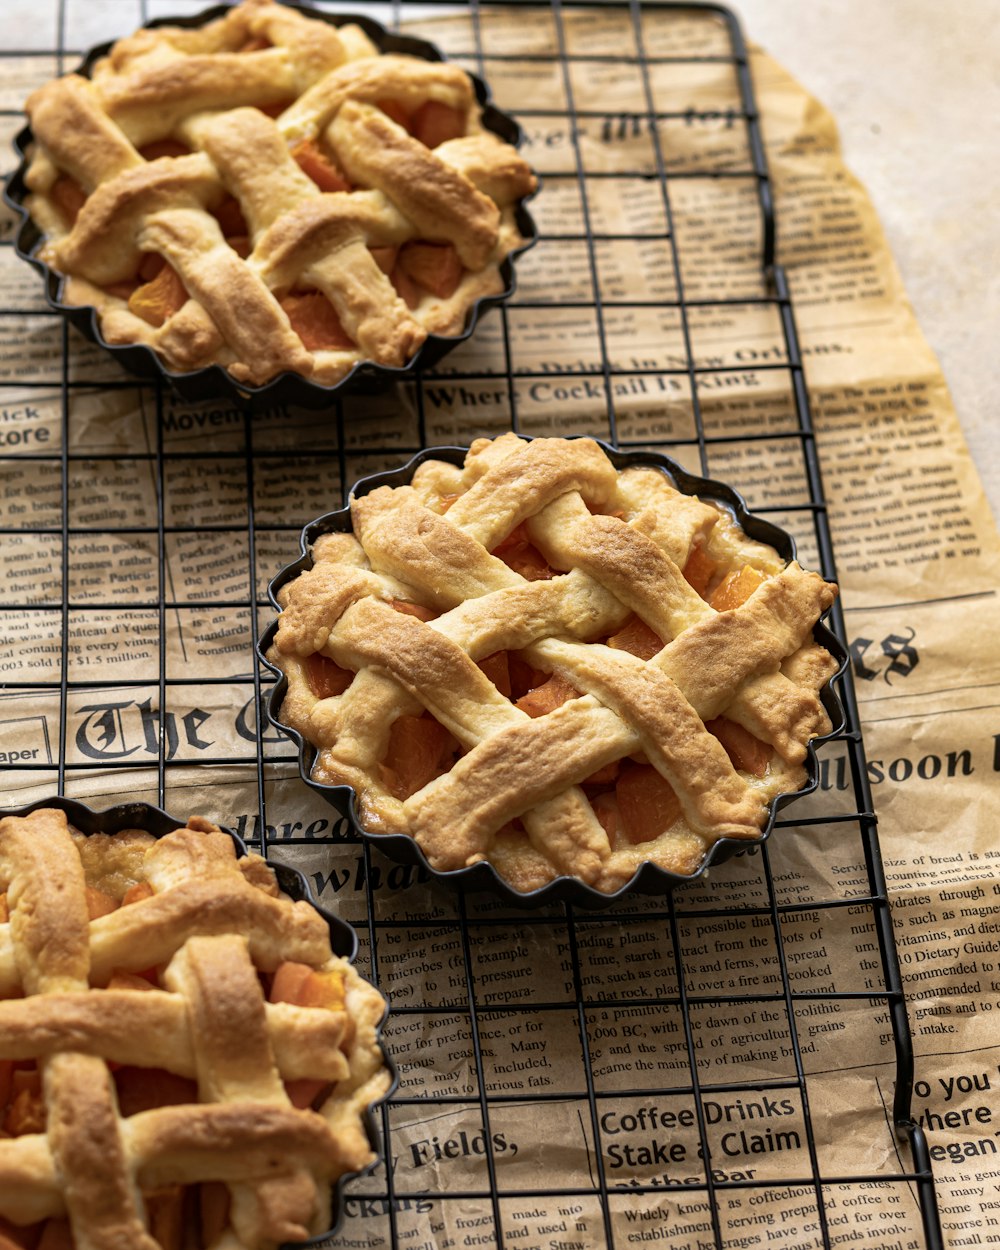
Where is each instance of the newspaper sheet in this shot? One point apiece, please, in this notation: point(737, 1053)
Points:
point(918, 561)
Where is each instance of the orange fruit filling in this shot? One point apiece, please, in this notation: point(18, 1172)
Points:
point(307, 987)
point(136, 893)
point(157, 301)
point(699, 570)
point(544, 699)
point(407, 290)
point(230, 217)
point(385, 258)
point(413, 609)
point(164, 147)
point(419, 750)
point(744, 750)
point(99, 903)
point(165, 1214)
point(326, 678)
point(129, 981)
point(314, 319)
point(736, 588)
point(435, 123)
point(434, 266)
point(606, 810)
point(275, 109)
point(605, 776)
point(519, 554)
point(647, 803)
point(315, 163)
point(636, 637)
point(497, 669)
point(394, 110)
point(145, 1089)
point(150, 265)
point(56, 1235)
point(213, 1210)
point(522, 676)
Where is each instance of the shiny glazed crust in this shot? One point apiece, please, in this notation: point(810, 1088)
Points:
point(618, 542)
point(211, 923)
point(203, 89)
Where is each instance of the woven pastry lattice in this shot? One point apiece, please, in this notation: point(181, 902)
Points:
point(528, 786)
point(316, 203)
point(105, 1156)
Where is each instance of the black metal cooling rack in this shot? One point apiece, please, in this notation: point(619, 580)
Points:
point(350, 447)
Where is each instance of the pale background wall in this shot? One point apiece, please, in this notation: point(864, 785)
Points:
point(915, 88)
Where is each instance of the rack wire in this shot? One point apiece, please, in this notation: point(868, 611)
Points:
point(99, 731)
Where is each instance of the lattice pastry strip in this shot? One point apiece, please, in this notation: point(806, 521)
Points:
point(110, 1173)
point(276, 120)
point(720, 704)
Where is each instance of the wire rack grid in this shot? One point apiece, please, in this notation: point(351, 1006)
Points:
point(141, 726)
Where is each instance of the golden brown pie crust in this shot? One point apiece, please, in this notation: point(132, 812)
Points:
point(212, 91)
point(521, 790)
point(214, 928)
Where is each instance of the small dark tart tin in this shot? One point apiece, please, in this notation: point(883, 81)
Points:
point(343, 939)
point(287, 388)
point(649, 878)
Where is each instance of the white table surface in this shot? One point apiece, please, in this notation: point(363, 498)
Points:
point(915, 88)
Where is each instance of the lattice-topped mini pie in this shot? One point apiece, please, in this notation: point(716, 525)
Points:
point(564, 669)
point(183, 1060)
point(269, 193)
